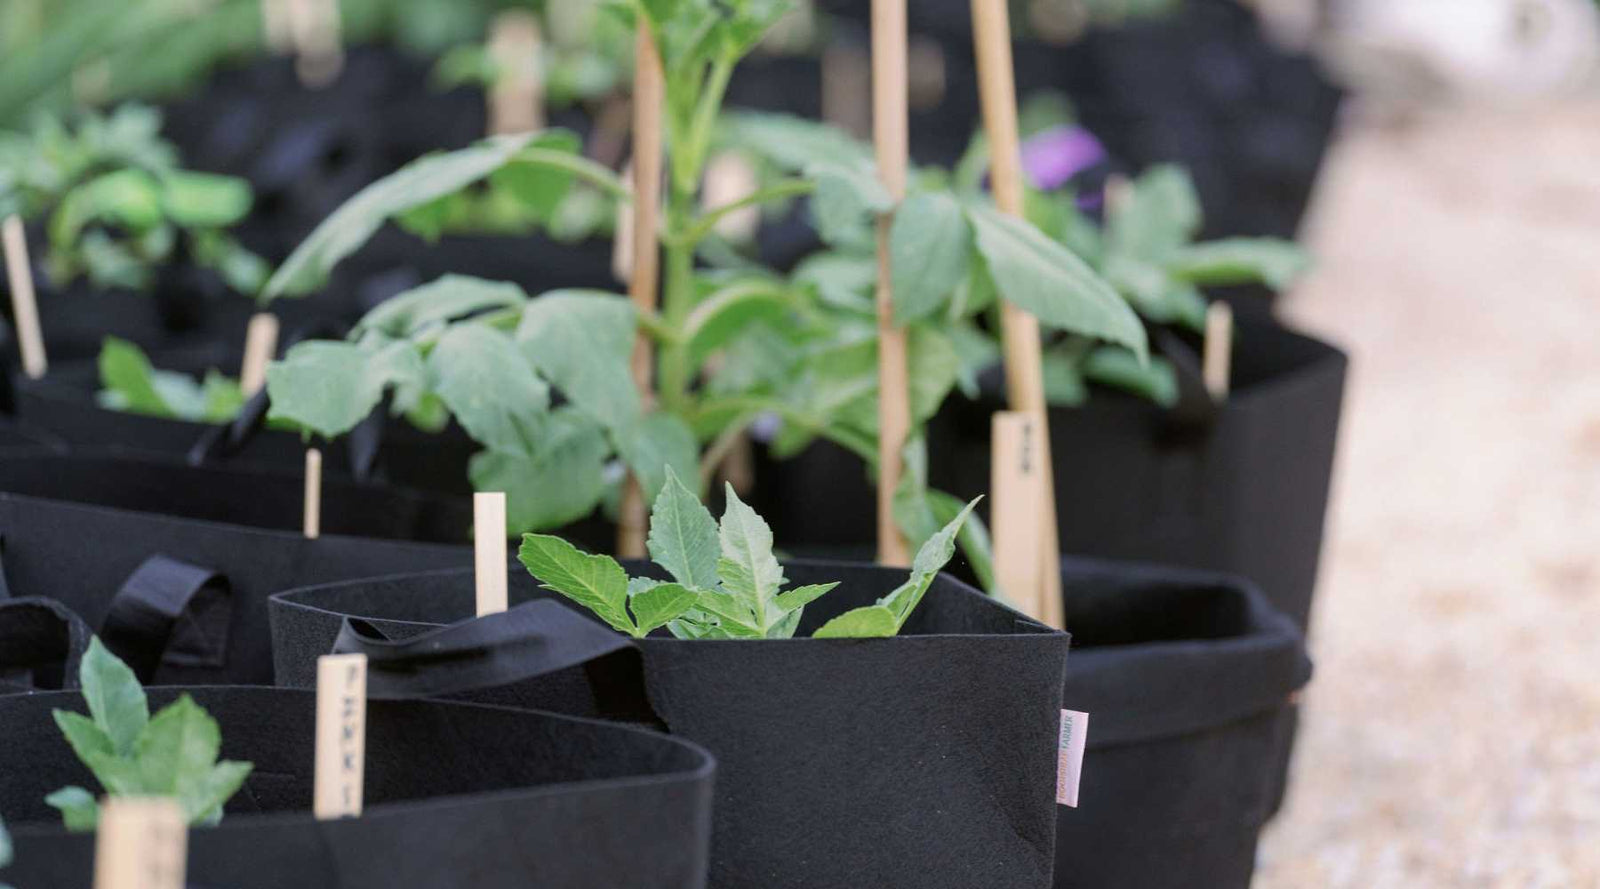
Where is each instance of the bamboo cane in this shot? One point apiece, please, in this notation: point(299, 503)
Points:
point(1019, 330)
point(891, 139)
point(1217, 359)
point(516, 102)
point(24, 302)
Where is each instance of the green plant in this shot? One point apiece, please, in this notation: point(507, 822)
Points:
point(129, 383)
point(115, 203)
point(130, 752)
point(728, 584)
point(5, 851)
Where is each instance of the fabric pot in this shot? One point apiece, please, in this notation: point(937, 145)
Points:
point(926, 760)
point(458, 796)
point(41, 644)
point(181, 600)
point(1185, 677)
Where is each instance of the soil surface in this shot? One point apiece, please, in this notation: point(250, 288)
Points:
point(1452, 736)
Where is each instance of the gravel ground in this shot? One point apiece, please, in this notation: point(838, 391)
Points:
point(1453, 731)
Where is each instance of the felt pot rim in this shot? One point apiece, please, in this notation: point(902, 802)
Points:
point(704, 768)
point(1164, 688)
point(1025, 628)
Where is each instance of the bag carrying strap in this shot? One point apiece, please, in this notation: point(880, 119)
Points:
point(39, 633)
point(530, 640)
point(169, 612)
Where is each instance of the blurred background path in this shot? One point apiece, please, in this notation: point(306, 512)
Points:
point(1459, 262)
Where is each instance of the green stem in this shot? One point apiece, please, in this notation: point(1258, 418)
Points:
point(784, 188)
point(582, 167)
point(677, 301)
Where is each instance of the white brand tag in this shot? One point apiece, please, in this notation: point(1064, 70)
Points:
point(1069, 756)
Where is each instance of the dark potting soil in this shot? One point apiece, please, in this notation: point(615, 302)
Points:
point(457, 796)
point(829, 751)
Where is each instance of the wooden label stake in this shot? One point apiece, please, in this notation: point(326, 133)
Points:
point(260, 344)
point(516, 103)
point(489, 550)
point(141, 843)
point(892, 141)
point(341, 735)
point(24, 303)
point(312, 519)
point(1017, 494)
point(314, 30)
point(1218, 358)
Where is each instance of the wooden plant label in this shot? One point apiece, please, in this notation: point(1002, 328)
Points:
point(516, 101)
point(1018, 485)
point(341, 735)
point(24, 303)
point(312, 518)
point(1070, 745)
point(1218, 358)
point(314, 31)
point(260, 344)
point(729, 177)
point(141, 843)
point(622, 239)
point(489, 550)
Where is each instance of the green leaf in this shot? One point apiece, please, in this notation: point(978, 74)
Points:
point(1155, 380)
point(659, 444)
point(933, 365)
point(417, 183)
point(842, 280)
point(844, 200)
point(930, 245)
point(581, 341)
point(86, 739)
point(180, 744)
point(660, 605)
point(683, 535)
point(1230, 261)
point(127, 198)
point(539, 187)
point(597, 583)
point(748, 569)
point(204, 200)
point(801, 596)
point(929, 561)
point(795, 143)
point(560, 482)
point(202, 796)
point(973, 539)
point(221, 398)
point(116, 700)
point(729, 311)
point(869, 622)
point(79, 810)
point(1161, 214)
point(125, 371)
point(5, 845)
point(447, 299)
point(328, 387)
point(490, 387)
point(730, 614)
point(1063, 378)
point(1048, 281)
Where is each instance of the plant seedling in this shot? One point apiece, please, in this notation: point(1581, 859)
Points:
point(727, 584)
point(129, 383)
point(131, 753)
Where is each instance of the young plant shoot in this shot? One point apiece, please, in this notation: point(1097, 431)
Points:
point(129, 383)
point(131, 753)
point(726, 581)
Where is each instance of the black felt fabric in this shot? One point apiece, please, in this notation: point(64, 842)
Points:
point(260, 497)
point(41, 643)
point(1185, 676)
point(457, 796)
point(84, 556)
point(926, 760)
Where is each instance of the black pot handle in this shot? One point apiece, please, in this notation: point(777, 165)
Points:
point(169, 612)
point(36, 632)
point(497, 650)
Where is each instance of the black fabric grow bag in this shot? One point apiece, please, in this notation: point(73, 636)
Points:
point(926, 760)
point(259, 497)
point(1185, 677)
point(458, 796)
point(181, 600)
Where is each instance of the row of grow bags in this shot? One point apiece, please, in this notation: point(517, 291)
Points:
point(921, 760)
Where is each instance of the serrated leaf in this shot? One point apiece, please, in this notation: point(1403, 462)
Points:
point(656, 445)
point(728, 311)
point(203, 796)
point(80, 812)
point(417, 183)
point(871, 621)
point(748, 569)
point(1231, 261)
point(85, 738)
point(801, 596)
point(449, 298)
point(490, 387)
point(930, 245)
point(116, 701)
point(1160, 214)
point(845, 199)
point(204, 200)
point(581, 342)
point(732, 616)
point(596, 582)
point(683, 536)
point(328, 387)
point(1050, 282)
point(660, 605)
point(126, 372)
point(180, 743)
point(929, 561)
point(973, 538)
point(560, 482)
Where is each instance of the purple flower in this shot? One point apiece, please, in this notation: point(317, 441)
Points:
point(1054, 156)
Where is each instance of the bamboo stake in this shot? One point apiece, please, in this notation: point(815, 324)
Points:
point(341, 749)
point(991, 33)
point(890, 136)
point(314, 30)
point(649, 95)
point(844, 66)
point(260, 344)
point(312, 516)
point(141, 842)
point(489, 550)
point(24, 302)
point(1217, 360)
point(516, 103)
point(1016, 488)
